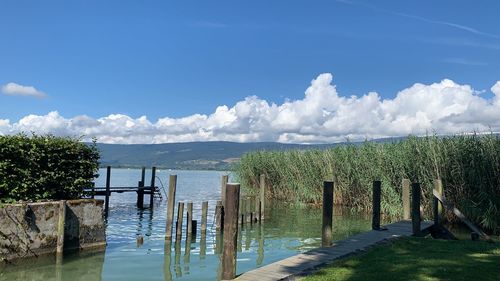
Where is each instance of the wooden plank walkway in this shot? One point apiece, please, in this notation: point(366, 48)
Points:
point(288, 268)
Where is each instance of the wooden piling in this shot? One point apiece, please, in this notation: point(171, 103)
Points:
point(204, 213)
point(189, 218)
point(153, 181)
point(140, 195)
point(376, 205)
point(224, 180)
point(108, 192)
point(327, 230)
point(60, 230)
point(172, 186)
point(415, 207)
point(242, 209)
point(219, 216)
point(248, 210)
point(438, 209)
point(262, 196)
point(406, 198)
point(180, 217)
point(257, 208)
point(230, 231)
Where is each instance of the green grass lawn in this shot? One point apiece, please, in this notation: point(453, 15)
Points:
point(419, 259)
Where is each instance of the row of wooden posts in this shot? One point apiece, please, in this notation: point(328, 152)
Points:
point(229, 213)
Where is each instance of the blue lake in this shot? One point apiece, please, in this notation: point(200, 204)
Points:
point(286, 232)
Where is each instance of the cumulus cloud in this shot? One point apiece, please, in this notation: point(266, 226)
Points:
point(14, 89)
point(322, 115)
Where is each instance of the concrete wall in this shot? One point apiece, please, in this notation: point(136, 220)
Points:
point(30, 230)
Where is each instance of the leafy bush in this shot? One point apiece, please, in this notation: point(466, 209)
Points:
point(468, 165)
point(45, 167)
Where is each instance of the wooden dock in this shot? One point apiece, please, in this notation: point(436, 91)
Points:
point(291, 267)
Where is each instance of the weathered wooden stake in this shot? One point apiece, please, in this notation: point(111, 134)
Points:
point(143, 175)
point(415, 207)
point(257, 208)
point(172, 186)
point(189, 218)
point(326, 237)
point(180, 217)
point(219, 216)
point(438, 207)
point(242, 209)
point(140, 195)
point(376, 205)
point(60, 230)
point(406, 199)
point(153, 181)
point(262, 208)
point(108, 192)
point(224, 180)
point(248, 210)
point(230, 231)
point(204, 213)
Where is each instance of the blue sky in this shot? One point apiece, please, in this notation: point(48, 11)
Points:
point(175, 59)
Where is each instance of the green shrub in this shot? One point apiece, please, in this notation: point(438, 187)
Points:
point(469, 166)
point(45, 167)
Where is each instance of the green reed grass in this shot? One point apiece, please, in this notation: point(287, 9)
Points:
point(468, 165)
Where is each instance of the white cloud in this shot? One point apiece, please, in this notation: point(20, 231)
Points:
point(14, 89)
point(322, 115)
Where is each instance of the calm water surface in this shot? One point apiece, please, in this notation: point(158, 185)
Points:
point(288, 231)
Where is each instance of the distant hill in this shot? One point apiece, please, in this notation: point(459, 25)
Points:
point(217, 155)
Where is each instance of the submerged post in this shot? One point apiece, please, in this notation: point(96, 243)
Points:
point(219, 216)
point(415, 207)
point(376, 205)
point(172, 186)
point(326, 233)
point(189, 218)
point(60, 230)
point(153, 181)
point(230, 231)
point(204, 213)
point(108, 188)
point(180, 217)
point(406, 198)
point(262, 196)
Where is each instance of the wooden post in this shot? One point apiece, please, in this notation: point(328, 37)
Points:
point(60, 230)
point(248, 210)
point(180, 217)
point(189, 218)
point(415, 207)
point(257, 208)
point(219, 216)
point(406, 198)
point(376, 205)
point(230, 231)
point(204, 213)
point(439, 209)
point(326, 237)
point(262, 208)
point(242, 211)
point(140, 195)
point(172, 186)
point(224, 181)
point(153, 181)
point(108, 187)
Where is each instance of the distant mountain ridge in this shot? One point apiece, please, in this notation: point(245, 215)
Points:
point(210, 155)
point(216, 155)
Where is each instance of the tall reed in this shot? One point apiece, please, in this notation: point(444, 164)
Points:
point(468, 165)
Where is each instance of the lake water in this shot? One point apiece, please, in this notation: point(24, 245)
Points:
point(286, 232)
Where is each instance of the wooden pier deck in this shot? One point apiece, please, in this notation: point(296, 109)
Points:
point(290, 267)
